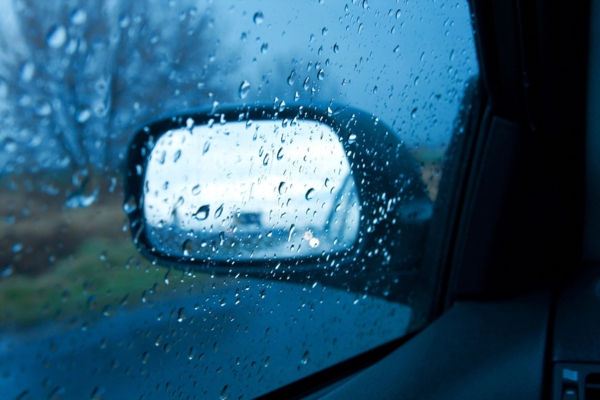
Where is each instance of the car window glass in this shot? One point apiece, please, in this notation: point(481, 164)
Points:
point(82, 312)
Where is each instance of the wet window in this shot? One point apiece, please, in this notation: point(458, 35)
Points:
point(87, 312)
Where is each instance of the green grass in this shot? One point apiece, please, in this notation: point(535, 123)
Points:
point(74, 262)
point(428, 155)
point(101, 273)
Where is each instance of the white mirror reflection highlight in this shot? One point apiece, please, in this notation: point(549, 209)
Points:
point(266, 190)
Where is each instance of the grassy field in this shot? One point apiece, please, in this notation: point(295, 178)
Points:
point(100, 277)
point(71, 264)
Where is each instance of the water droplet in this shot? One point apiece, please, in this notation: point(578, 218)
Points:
point(305, 358)
point(309, 194)
point(108, 311)
point(336, 48)
point(214, 109)
point(244, 89)
point(266, 159)
point(78, 17)
point(187, 247)
point(91, 302)
point(43, 109)
point(264, 48)
point(321, 75)
point(224, 395)
point(398, 14)
point(223, 302)
point(158, 340)
point(181, 315)
point(97, 393)
point(83, 115)
point(280, 153)
point(202, 213)
point(191, 354)
point(352, 138)
point(17, 247)
point(375, 89)
point(306, 83)
point(291, 78)
point(179, 203)
point(162, 157)
point(281, 106)
point(219, 211)
point(167, 348)
point(55, 394)
point(9, 145)
point(57, 36)
point(206, 147)
point(281, 188)
point(296, 96)
point(145, 357)
point(6, 272)
point(166, 279)
point(292, 228)
point(130, 205)
point(324, 31)
point(79, 198)
point(413, 113)
point(196, 190)
point(27, 71)
point(177, 155)
point(396, 49)
point(189, 123)
point(258, 18)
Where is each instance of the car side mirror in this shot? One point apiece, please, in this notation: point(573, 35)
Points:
point(273, 190)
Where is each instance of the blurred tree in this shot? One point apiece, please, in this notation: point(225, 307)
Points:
point(75, 80)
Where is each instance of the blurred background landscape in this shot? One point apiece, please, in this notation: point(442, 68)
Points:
point(76, 80)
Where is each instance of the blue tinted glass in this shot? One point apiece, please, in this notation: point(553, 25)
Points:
point(82, 312)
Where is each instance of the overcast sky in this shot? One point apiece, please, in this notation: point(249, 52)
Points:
point(406, 61)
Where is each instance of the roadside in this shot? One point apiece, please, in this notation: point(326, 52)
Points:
point(65, 264)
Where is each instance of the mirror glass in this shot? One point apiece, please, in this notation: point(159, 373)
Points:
point(241, 191)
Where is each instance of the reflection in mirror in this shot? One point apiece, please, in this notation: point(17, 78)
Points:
point(242, 191)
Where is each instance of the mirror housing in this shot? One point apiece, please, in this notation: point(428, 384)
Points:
point(392, 199)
